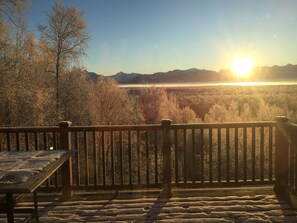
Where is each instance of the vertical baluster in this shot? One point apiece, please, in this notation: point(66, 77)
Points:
point(54, 140)
point(228, 154)
point(262, 153)
point(294, 145)
point(45, 141)
point(138, 156)
point(147, 158)
point(202, 154)
point(185, 156)
point(245, 154)
point(17, 141)
point(26, 141)
point(54, 147)
point(112, 158)
point(270, 154)
point(253, 155)
point(121, 159)
point(292, 165)
point(210, 154)
point(176, 156)
point(95, 159)
point(193, 156)
point(219, 156)
point(36, 146)
point(103, 158)
point(292, 159)
point(236, 153)
point(58, 174)
point(8, 141)
point(45, 148)
point(1, 138)
point(77, 158)
point(156, 158)
point(130, 157)
point(86, 158)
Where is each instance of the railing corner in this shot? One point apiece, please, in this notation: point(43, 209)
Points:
point(281, 119)
point(166, 122)
point(64, 124)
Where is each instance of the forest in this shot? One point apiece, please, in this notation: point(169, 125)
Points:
point(43, 81)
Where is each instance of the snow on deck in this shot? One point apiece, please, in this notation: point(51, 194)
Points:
point(232, 208)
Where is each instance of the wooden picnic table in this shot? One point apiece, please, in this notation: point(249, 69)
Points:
point(9, 184)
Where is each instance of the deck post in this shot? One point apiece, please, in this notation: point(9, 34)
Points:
point(281, 155)
point(67, 166)
point(166, 190)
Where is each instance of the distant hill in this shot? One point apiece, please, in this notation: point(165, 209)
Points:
point(175, 76)
point(92, 76)
point(125, 78)
point(264, 73)
point(276, 72)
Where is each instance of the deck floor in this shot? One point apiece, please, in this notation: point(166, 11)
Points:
point(211, 205)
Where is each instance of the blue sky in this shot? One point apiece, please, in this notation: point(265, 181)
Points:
point(147, 36)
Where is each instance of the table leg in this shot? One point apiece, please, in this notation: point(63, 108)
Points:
point(9, 201)
point(36, 206)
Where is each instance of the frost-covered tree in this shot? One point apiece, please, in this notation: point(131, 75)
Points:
point(74, 97)
point(65, 36)
point(156, 104)
point(110, 105)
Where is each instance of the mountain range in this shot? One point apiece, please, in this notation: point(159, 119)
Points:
point(194, 75)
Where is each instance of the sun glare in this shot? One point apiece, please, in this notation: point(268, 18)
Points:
point(242, 66)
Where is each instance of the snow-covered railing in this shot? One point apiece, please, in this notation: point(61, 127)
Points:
point(165, 155)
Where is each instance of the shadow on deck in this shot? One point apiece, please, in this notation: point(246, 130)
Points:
point(246, 204)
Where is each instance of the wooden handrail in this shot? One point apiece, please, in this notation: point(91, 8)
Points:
point(193, 155)
point(28, 129)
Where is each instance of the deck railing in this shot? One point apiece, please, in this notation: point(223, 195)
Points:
point(286, 158)
point(31, 139)
point(166, 155)
point(224, 153)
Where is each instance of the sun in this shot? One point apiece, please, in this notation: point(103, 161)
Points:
point(242, 66)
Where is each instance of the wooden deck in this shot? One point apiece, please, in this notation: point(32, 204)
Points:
point(249, 204)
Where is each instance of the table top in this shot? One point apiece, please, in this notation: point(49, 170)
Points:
point(24, 172)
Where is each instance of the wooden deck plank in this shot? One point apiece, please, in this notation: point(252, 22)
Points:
point(201, 208)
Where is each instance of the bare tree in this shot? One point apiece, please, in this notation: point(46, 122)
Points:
point(12, 33)
point(66, 37)
point(13, 10)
